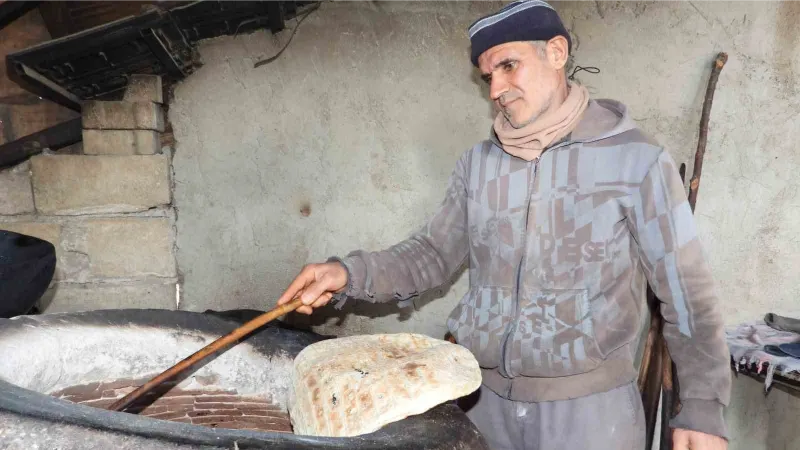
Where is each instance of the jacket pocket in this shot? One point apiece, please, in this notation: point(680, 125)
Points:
point(479, 321)
point(554, 335)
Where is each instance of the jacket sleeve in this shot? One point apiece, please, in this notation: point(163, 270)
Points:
point(426, 260)
point(674, 263)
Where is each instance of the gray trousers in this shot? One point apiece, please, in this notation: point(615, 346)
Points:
point(608, 420)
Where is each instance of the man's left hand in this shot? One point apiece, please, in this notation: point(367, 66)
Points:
point(696, 440)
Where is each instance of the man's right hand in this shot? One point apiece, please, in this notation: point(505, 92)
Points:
point(316, 284)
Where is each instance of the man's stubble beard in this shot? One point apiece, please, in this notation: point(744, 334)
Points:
point(532, 119)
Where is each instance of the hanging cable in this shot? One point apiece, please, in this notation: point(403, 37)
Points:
point(277, 55)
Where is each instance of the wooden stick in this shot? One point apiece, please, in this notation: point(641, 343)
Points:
point(694, 184)
point(669, 395)
point(651, 370)
point(208, 350)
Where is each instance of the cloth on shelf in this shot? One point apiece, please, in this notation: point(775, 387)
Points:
point(748, 344)
point(782, 323)
point(791, 349)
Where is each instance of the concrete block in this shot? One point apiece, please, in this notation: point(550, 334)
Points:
point(98, 115)
point(16, 196)
point(144, 88)
point(50, 232)
point(121, 142)
point(29, 118)
point(75, 297)
point(77, 184)
point(130, 247)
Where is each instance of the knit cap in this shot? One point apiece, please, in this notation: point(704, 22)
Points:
point(526, 20)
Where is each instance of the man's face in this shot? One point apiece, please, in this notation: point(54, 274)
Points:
point(522, 83)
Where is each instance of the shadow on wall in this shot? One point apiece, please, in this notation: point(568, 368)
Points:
point(353, 307)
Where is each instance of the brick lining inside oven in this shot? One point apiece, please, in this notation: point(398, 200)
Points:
point(212, 407)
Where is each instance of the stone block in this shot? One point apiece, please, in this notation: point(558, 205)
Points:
point(16, 196)
point(144, 88)
point(121, 142)
point(50, 232)
point(77, 184)
point(75, 297)
point(130, 247)
point(29, 118)
point(99, 115)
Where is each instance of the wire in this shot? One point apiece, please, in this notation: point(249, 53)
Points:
point(589, 69)
point(277, 55)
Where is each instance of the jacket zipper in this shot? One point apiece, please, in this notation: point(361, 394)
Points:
point(512, 326)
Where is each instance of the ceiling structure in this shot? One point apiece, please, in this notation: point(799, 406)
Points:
point(96, 47)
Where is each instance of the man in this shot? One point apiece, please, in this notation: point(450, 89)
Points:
point(563, 215)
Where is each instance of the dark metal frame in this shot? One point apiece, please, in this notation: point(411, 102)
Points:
point(95, 64)
point(44, 69)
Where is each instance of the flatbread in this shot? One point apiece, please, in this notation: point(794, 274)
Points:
point(355, 385)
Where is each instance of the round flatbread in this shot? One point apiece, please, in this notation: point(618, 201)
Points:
point(355, 385)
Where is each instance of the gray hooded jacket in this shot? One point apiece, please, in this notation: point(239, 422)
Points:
point(560, 251)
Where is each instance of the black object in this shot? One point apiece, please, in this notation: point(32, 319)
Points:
point(444, 427)
point(27, 265)
point(11, 11)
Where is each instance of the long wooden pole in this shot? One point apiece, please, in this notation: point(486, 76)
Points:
point(694, 183)
point(204, 352)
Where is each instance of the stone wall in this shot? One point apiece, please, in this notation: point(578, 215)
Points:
point(108, 210)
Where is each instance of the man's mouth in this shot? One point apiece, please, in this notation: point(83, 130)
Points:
point(505, 105)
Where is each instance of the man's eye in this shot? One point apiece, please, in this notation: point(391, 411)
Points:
point(509, 66)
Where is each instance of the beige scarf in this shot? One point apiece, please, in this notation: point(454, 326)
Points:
point(529, 141)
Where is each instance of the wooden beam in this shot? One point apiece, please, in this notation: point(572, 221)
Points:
point(56, 137)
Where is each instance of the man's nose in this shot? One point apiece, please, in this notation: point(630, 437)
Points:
point(498, 87)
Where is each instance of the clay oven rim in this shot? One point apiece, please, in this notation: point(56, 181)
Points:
point(441, 427)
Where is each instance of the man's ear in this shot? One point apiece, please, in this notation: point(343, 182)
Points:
point(557, 52)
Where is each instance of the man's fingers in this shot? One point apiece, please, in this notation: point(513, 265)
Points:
point(303, 279)
point(322, 300)
point(305, 310)
point(680, 440)
point(314, 285)
point(315, 290)
point(319, 302)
